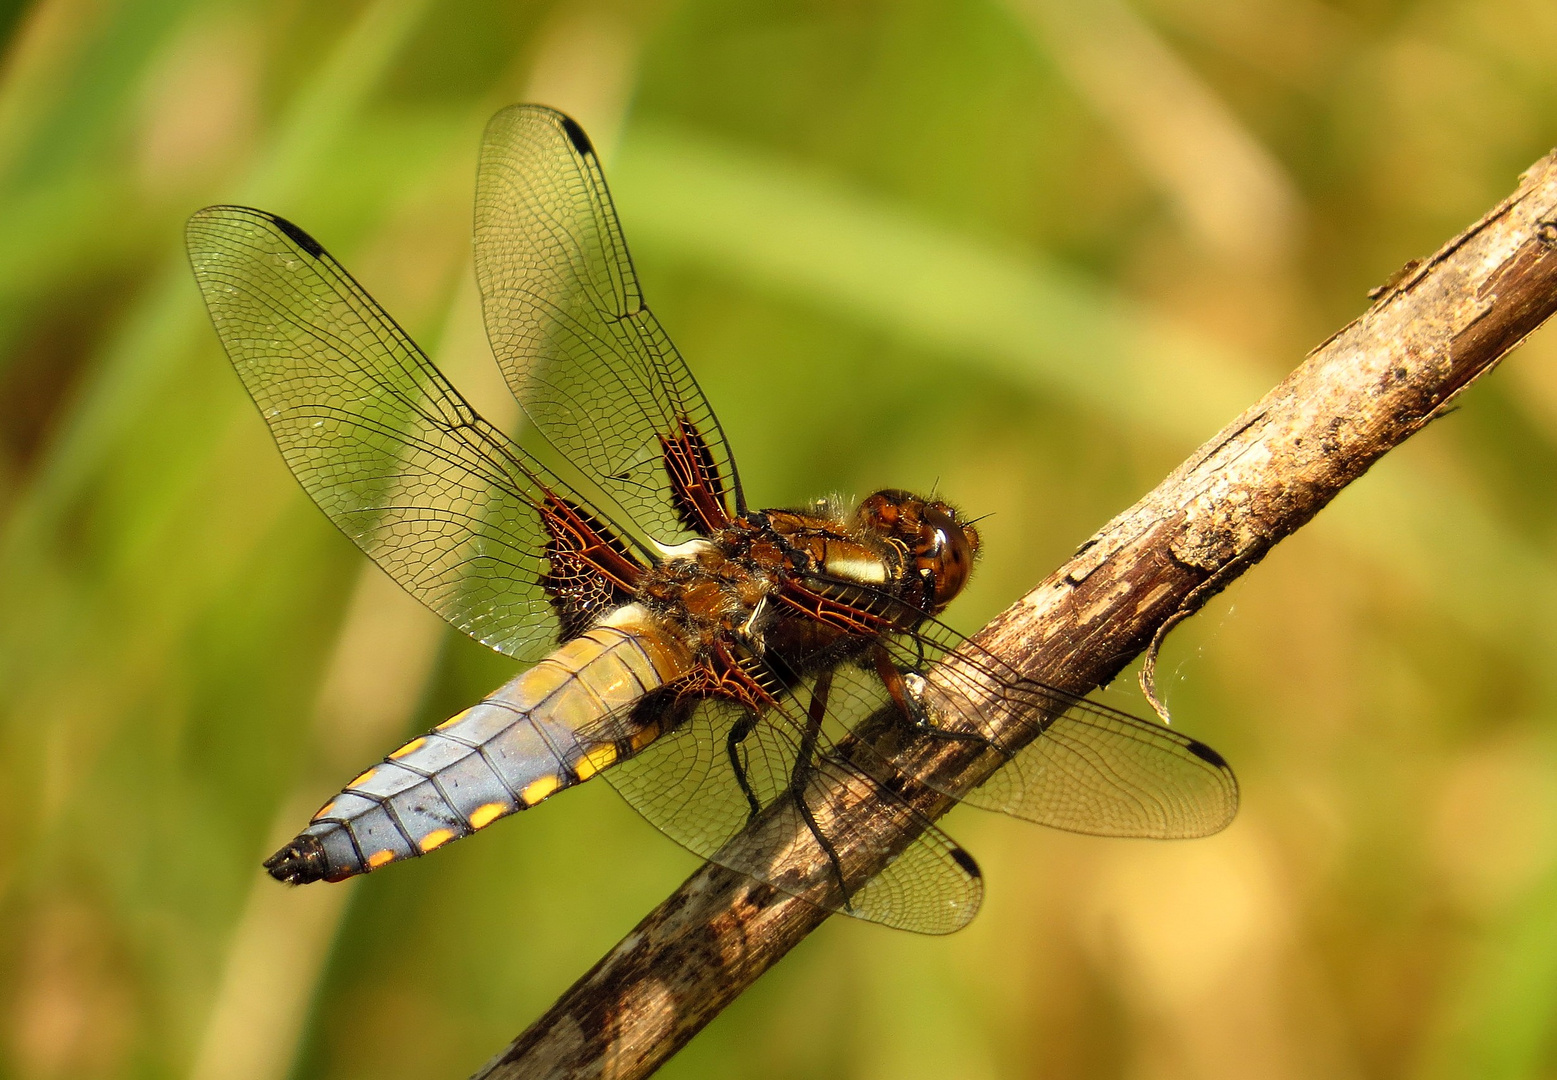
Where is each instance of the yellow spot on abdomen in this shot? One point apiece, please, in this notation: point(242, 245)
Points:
point(451, 721)
point(537, 790)
point(326, 810)
point(379, 858)
point(409, 748)
point(364, 778)
point(437, 838)
point(644, 736)
point(594, 761)
point(482, 816)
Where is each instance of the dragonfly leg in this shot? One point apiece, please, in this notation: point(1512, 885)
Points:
point(732, 744)
point(911, 704)
point(802, 775)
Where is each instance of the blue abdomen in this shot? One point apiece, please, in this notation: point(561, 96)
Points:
point(541, 732)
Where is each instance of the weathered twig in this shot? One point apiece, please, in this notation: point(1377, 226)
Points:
point(1373, 384)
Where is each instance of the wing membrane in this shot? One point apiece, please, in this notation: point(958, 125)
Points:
point(1084, 767)
point(586, 358)
point(1074, 764)
point(390, 451)
point(685, 785)
point(1091, 769)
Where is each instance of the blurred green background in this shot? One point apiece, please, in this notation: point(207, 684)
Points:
point(1033, 251)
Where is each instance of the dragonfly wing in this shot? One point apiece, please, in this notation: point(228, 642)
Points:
point(586, 358)
point(1072, 763)
point(1112, 774)
point(687, 786)
point(1080, 766)
point(444, 502)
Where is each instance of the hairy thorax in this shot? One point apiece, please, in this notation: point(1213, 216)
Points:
point(743, 586)
point(725, 589)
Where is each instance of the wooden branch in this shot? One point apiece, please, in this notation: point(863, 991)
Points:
point(1429, 335)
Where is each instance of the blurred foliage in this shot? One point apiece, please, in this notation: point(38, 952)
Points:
point(1030, 252)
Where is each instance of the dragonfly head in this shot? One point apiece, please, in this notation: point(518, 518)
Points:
point(940, 549)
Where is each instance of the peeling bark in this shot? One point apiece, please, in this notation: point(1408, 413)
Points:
point(1431, 332)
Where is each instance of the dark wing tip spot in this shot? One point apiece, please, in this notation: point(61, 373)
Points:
point(299, 863)
point(964, 860)
point(298, 236)
point(576, 135)
point(1206, 754)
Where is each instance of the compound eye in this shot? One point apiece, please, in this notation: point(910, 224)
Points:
point(946, 550)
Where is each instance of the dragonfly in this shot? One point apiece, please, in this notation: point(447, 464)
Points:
point(709, 659)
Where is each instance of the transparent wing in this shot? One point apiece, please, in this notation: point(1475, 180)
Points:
point(1074, 764)
point(687, 785)
point(583, 354)
point(1081, 766)
point(435, 495)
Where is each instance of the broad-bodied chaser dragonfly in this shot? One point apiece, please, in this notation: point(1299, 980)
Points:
point(704, 656)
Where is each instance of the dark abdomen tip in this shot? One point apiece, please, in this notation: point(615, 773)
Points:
point(301, 861)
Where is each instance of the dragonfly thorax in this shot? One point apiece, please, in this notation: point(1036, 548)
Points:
point(741, 584)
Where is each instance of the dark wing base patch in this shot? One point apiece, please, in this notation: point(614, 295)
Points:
point(588, 570)
point(695, 485)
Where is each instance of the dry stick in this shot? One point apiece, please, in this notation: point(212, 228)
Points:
point(1430, 334)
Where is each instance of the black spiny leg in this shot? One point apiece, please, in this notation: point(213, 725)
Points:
point(804, 766)
point(732, 744)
